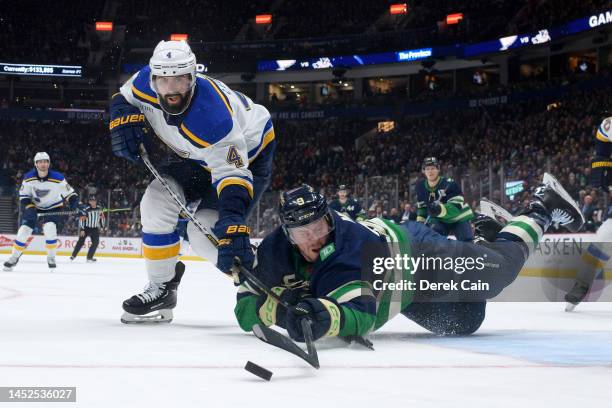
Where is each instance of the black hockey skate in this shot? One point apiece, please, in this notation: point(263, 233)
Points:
point(51, 264)
point(155, 304)
point(10, 264)
point(576, 295)
point(562, 209)
point(486, 228)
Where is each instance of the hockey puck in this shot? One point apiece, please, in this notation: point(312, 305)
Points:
point(258, 371)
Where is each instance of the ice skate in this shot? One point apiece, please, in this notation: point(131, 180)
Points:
point(576, 295)
point(562, 208)
point(10, 263)
point(51, 263)
point(155, 304)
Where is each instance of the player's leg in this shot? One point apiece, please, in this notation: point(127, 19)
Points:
point(463, 231)
point(79, 244)
point(94, 235)
point(594, 259)
point(21, 240)
point(50, 232)
point(160, 244)
point(447, 318)
point(440, 228)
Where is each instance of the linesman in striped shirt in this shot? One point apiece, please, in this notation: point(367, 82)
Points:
point(89, 226)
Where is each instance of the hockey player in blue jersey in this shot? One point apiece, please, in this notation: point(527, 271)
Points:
point(42, 191)
point(347, 204)
point(224, 144)
point(440, 201)
point(325, 263)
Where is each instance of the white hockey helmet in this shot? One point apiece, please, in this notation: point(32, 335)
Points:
point(173, 58)
point(41, 156)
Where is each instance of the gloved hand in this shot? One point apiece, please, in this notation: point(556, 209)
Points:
point(601, 169)
point(324, 314)
point(271, 312)
point(233, 236)
point(127, 128)
point(434, 208)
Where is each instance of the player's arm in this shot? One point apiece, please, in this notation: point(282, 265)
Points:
point(421, 193)
point(601, 165)
point(360, 213)
point(228, 161)
point(25, 196)
point(127, 124)
point(69, 195)
point(455, 209)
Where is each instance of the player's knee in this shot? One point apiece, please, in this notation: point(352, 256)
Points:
point(159, 213)
point(468, 318)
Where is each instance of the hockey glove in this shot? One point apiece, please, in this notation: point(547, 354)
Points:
point(127, 128)
point(234, 241)
point(29, 214)
point(601, 169)
point(435, 208)
point(271, 312)
point(325, 316)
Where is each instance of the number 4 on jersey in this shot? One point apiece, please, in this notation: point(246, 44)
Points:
point(233, 157)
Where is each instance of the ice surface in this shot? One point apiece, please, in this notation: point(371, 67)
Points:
point(63, 329)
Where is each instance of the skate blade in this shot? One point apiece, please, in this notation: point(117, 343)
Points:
point(159, 316)
point(570, 307)
point(558, 187)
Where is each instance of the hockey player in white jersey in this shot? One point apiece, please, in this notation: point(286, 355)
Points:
point(42, 191)
point(226, 144)
point(598, 253)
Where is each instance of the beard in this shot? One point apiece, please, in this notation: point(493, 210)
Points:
point(177, 105)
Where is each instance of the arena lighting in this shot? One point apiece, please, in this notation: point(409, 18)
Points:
point(179, 37)
point(401, 8)
point(263, 19)
point(104, 26)
point(454, 18)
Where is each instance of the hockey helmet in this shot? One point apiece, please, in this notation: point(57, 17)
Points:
point(299, 209)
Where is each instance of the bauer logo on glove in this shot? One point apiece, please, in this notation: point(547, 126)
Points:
point(127, 119)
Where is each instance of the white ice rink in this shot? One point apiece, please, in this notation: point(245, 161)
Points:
point(63, 329)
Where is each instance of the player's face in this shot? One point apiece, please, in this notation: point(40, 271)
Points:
point(310, 238)
point(42, 166)
point(342, 194)
point(173, 89)
point(431, 172)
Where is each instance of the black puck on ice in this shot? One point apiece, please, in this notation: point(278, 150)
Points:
point(258, 371)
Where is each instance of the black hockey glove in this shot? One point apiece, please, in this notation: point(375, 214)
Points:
point(271, 312)
point(324, 314)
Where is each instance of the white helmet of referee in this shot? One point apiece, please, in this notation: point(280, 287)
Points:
point(173, 59)
point(41, 156)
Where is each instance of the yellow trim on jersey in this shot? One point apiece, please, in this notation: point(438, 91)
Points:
point(144, 95)
point(223, 97)
point(208, 169)
point(30, 205)
point(601, 164)
point(268, 137)
point(159, 253)
point(54, 180)
point(30, 179)
point(194, 137)
point(235, 181)
point(115, 94)
point(601, 137)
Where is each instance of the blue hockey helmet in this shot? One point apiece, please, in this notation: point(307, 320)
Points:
point(301, 207)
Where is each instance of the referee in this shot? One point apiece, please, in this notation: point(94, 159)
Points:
point(89, 225)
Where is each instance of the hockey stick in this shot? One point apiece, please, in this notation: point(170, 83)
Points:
point(73, 212)
point(177, 200)
point(273, 337)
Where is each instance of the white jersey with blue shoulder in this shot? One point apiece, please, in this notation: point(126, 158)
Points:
point(222, 129)
point(45, 193)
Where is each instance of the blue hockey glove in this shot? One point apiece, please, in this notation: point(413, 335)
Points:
point(325, 316)
point(127, 128)
point(234, 241)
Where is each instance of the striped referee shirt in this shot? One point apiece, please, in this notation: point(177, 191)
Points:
point(92, 218)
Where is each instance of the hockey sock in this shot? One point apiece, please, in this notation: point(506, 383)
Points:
point(21, 241)
point(161, 253)
point(50, 231)
point(524, 229)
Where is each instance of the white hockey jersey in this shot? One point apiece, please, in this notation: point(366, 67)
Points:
point(223, 130)
point(45, 193)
